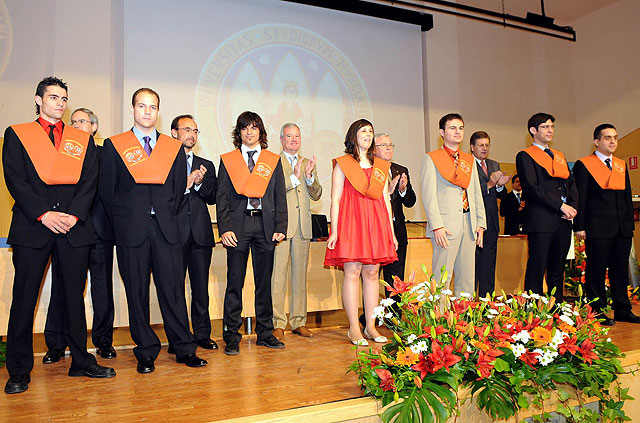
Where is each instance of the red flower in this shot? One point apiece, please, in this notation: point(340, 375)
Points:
point(442, 357)
point(423, 366)
point(398, 286)
point(386, 380)
point(530, 358)
point(586, 349)
point(568, 345)
point(375, 362)
point(484, 364)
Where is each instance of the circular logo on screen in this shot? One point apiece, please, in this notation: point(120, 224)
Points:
point(6, 36)
point(284, 73)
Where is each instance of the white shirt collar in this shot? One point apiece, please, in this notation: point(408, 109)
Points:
point(257, 149)
point(540, 146)
point(478, 160)
point(289, 156)
point(602, 157)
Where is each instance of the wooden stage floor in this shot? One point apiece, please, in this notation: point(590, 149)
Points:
point(259, 380)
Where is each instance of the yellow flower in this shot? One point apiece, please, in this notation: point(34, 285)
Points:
point(541, 335)
point(406, 358)
point(479, 345)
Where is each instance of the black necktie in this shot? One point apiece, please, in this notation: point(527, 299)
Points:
point(608, 163)
point(549, 152)
point(253, 202)
point(51, 137)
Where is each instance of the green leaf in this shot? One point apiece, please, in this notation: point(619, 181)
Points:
point(500, 365)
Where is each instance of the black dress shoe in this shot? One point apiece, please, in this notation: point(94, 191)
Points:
point(52, 356)
point(606, 321)
point(192, 360)
point(270, 342)
point(170, 349)
point(232, 348)
point(208, 344)
point(106, 351)
point(626, 317)
point(145, 365)
point(95, 371)
point(17, 384)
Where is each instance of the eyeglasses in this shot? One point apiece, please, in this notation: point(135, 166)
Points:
point(190, 130)
point(79, 121)
point(547, 126)
point(385, 145)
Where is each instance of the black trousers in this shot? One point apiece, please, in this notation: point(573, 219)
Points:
point(197, 260)
point(30, 265)
point(486, 264)
point(164, 260)
point(611, 253)
point(251, 239)
point(101, 271)
point(547, 255)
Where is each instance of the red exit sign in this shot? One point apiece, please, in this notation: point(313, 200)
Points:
point(633, 162)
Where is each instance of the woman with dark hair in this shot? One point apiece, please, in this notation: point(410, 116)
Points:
point(362, 235)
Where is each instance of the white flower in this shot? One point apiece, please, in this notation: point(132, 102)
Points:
point(420, 297)
point(518, 349)
point(545, 300)
point(558, 339)
point(567, 319)
point(522, 336)
point(500, 304)
point(388, 315)
point(525, 295)
point(447, 292)
point(465, 295)
point(378, 312)
point(546, 357)
point(494, 311)
point(411, 338)
point(608, 339)
point(453, 298)
point(469, 348)
point(485, 299)
point(387, 302)
point(419, 347)
point(535, 296)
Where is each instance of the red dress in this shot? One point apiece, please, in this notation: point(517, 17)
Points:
point(364, 230)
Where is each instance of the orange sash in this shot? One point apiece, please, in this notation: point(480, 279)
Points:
point(556, 167)
point(254, 184)
point(152, 169)
point(54, 167)
point(607, 179)
point(372, 187)
point(459, 176)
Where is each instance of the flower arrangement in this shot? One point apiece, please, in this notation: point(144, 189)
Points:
point(574, 269)
point(509, 351)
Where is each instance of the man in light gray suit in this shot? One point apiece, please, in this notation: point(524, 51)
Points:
point(452, 201)
point(302, 185)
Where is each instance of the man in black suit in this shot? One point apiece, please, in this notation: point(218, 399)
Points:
point(51, 173)
point(552, 198)
point(512, 208)
point(605, 222)
point(251, 205)
point(195, 227)
point(100, 269)
point(402, 195)
point(492, 181)
point(142, 182)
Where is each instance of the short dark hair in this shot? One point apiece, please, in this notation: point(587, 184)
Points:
point(177, 119)
point(245, 119)
point(144, 90)
point(479, 135)
point(48, 82)
point(351, 140)
point(446, 118)
point(537, 120)
point(514, 177)
point(600, 128)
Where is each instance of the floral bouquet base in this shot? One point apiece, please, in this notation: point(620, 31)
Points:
point(511, 357)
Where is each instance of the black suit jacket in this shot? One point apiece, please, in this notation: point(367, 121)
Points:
point(193, 216)
point(490, 197)
point(602, 213)
point(231, 206)
point(543, 195)
point(398, 203)
point(512, 217)
point(33, 197)
point(128, 204)
point(99, 217)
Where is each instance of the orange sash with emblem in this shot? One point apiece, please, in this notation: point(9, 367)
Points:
point(372, 187)
point(54, 167)
point(254, 184)
point(607, 179)
point(459, 176)
point(152, 169)
point(556, 167)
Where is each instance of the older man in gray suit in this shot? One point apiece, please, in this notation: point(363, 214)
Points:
point(302, 185)
point(453, 204)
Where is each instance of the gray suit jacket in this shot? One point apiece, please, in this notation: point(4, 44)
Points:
point(491, 196)
point(298, 198)
point(442, 201)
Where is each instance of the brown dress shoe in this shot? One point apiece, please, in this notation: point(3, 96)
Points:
point(303, 331)
point(278, 333)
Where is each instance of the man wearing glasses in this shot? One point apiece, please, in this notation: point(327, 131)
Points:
point(552, 198)
point(195, 228)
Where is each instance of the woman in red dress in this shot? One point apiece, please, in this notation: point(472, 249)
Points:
point(362, 235)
